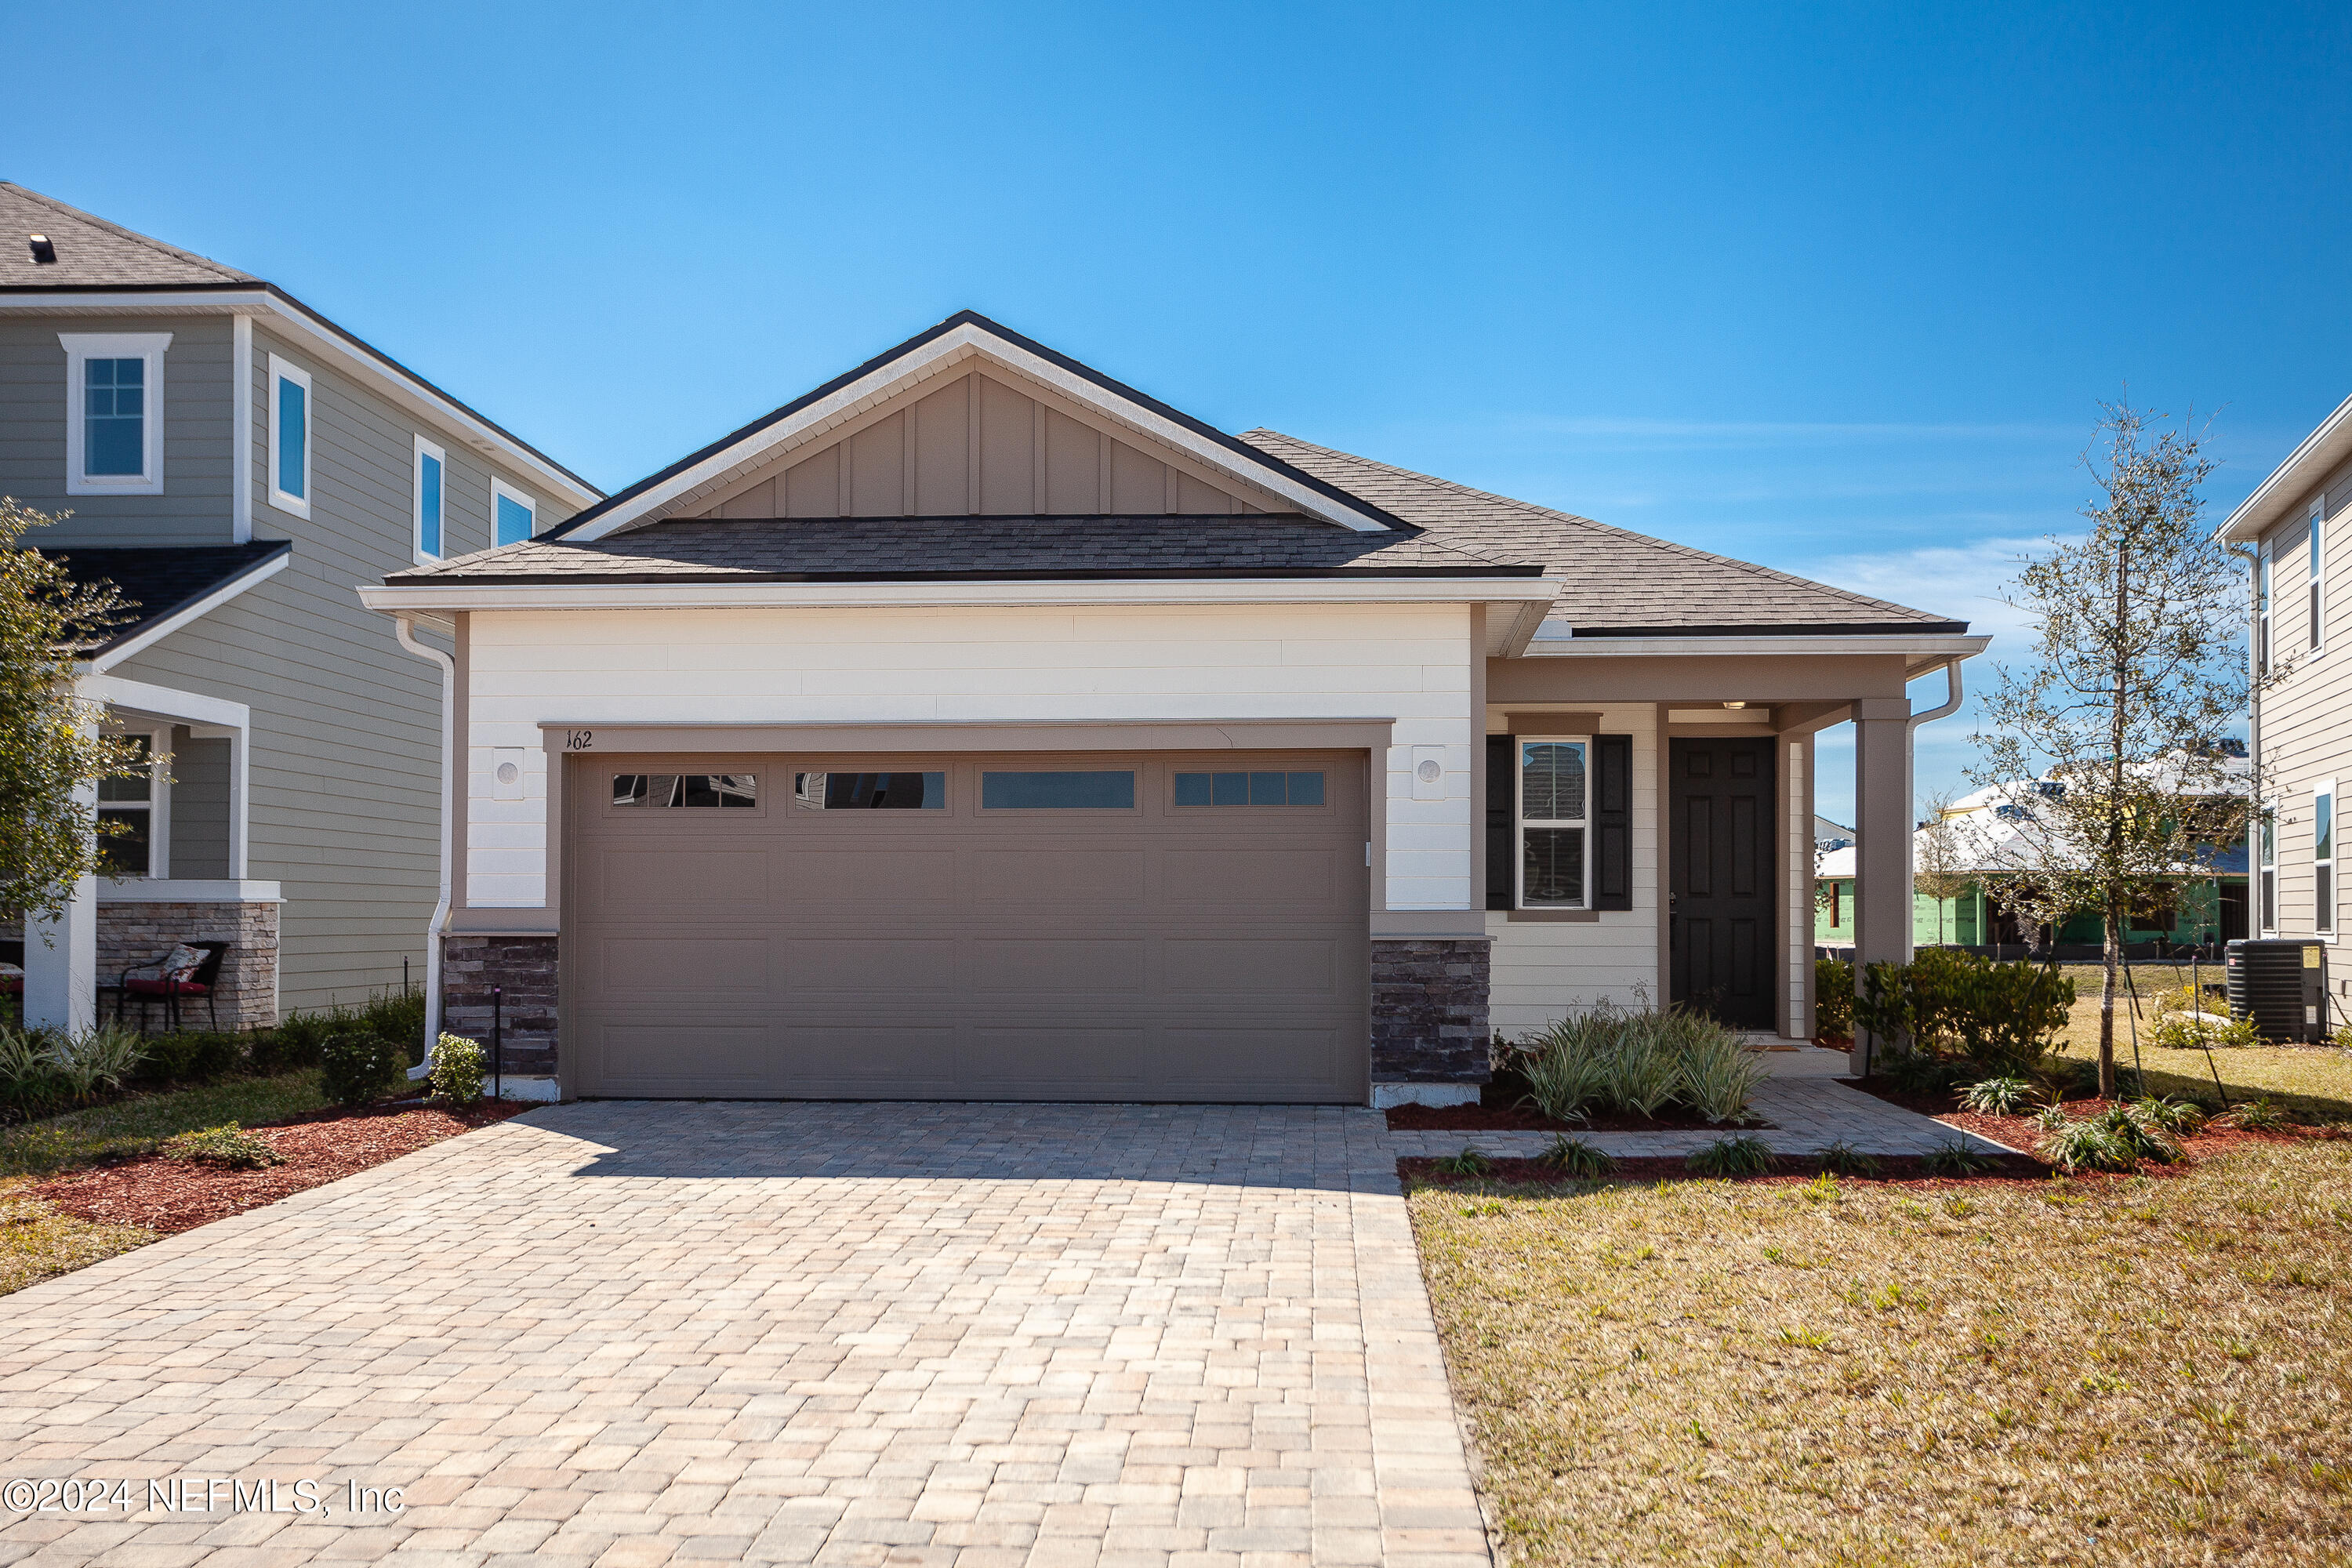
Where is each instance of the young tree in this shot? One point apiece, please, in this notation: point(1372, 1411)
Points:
point(1939, 858)
point(2137, 673)
point(49, 745)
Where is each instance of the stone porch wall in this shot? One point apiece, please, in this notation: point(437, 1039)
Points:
point(1430, 1010)
point(139, 933)
point(523, 967)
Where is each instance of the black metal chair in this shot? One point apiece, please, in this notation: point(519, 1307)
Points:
point(203, 981)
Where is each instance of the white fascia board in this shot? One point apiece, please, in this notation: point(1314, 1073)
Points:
point(963, 342)
point(409, 598)
point(1935, 647)
point(164, 702)
point(420, 397)
point(171, 623)
point(187, 890)
point(2318, 455)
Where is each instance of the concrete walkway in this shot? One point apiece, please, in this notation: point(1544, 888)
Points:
point(630, 1334)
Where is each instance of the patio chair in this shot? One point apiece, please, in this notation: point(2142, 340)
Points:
point(169, 987)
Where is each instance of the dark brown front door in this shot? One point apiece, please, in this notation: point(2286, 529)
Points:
point(1719, 802)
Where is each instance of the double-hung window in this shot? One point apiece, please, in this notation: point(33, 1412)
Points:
point(432, 476)
point(2323, 857)
point(136, 810)
point(2263, 608)
point(289, 436)
point(1554, 824)
point(514, 516)
point(115, 412)
point(2318, 594)
point(2267, 855)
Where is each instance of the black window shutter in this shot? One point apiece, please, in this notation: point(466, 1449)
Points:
point(1502, 813)
point(1612, 822)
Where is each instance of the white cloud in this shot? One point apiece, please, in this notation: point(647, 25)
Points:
point(1962, 582)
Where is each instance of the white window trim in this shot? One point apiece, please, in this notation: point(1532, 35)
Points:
point(423, 449)
point(281, 370)
point(2265, 651)
point(1520, 822)
point(158, 804)
point(2325, 790)
point(2315, 596)
point(147, 346)
point(2266, 871)
point(500, 489)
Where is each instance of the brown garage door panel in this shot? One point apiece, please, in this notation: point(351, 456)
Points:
point(1165, 952)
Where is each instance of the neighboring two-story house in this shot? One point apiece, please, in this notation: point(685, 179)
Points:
point(236, 463)
point(2294, 526)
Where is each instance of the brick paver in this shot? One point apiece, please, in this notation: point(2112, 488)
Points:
point(652, 1335)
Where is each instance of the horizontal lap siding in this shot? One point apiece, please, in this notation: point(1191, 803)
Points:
point(1545, 971)
point(1410, 663)
point(2308, 717)
point(198, 414)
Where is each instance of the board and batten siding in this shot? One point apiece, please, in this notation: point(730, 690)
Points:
point(2307, 716)
point(1410, 663)
point(199, 413)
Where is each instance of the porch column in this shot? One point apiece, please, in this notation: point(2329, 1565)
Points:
point(61, 957)
point(1882, 885)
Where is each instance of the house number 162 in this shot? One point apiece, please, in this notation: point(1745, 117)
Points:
point(579, 739)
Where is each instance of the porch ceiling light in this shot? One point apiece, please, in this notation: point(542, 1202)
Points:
point(1735, 705)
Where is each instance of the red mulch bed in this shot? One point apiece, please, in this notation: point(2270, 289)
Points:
point(172, 1195)
point(1527, 1119)
point(1906, 1171)
point(2024, 1133)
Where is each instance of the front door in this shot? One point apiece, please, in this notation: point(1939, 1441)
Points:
point(1720, 924)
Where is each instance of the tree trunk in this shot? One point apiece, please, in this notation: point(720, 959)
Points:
point(2113, 955)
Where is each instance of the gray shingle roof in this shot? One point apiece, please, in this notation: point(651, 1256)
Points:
point(1610, 581)
point(883, 548)
point(91, 252)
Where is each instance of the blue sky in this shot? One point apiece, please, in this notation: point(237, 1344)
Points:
point(1835, 288)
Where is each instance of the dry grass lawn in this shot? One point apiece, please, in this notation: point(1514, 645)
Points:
point(38, 1241)
point(2152, 1371)
point(2313, 1082)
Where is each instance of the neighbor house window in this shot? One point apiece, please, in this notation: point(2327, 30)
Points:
point(2263, 608)
point(289, 436)
point(2319, 598)
point(706, 790)
point(1249, 789)
point(127, 806)
point(115, 412)
point(1552, 824)
point(432, 472)
point(2323, 857)
point(1057, 792)
point(2267, 855)
point(870, 792)
point(514, 516)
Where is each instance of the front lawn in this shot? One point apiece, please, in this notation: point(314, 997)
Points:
point(2111, 1369)
point(138, 1125)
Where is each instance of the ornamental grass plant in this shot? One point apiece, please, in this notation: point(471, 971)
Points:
point(1636, 1063)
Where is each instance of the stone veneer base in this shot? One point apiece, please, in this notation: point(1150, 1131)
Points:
point(523, 967)
point(133, 932)
point(1430, 1010)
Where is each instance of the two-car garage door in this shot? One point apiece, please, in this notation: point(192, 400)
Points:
point(1146, 926)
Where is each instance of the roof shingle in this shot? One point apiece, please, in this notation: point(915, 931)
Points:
point(91, 252)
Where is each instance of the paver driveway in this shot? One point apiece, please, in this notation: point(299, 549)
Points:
point(634, 1334)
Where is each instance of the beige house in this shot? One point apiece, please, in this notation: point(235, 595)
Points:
point(2301, 635)
point(236, 463)
point(976, 726)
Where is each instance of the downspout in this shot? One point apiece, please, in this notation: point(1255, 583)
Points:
point(404, 629)
point(2254, 913)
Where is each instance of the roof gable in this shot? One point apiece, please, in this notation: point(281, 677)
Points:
point(1025, 380)
point(92, 253)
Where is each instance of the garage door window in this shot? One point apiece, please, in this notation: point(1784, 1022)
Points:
point(1057, 792)
point(1249, 789)
point(869, 792)
point(689, 790)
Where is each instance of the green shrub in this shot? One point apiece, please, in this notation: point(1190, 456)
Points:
point(1999, 1096)
point(296, 1041)
point(1924, 1072)
point(2260, 1115)
point(360, 1066)
point(1832, 999)
point(228, 1145)
point(194, 1056)
point(2000, 1016)
point(1636, 1063)
point(1469, 1163)
point(1956, 1159)
point(2194, 1031)
point(2178, 1117)
point(1733, 1157)
point(1566, 1068)
point(1843, 1159)
point(456, 1072)
point(1575, 1157)
point(398, 1015)
point(2115, 1139)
